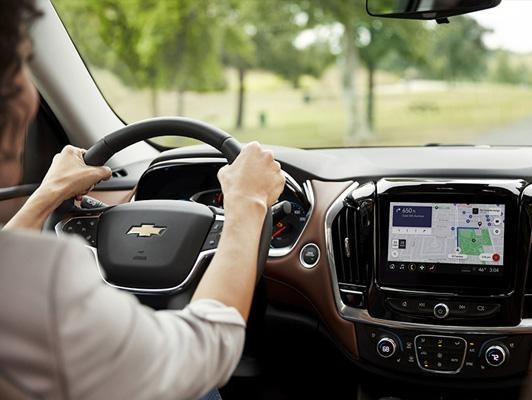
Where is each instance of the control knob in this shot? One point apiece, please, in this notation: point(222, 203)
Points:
point(441, 310)
point(496, 354)
point(386, 347)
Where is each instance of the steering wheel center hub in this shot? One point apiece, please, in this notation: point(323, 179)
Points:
point(152, 244)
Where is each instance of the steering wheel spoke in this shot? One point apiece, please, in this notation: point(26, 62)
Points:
point(83, 223)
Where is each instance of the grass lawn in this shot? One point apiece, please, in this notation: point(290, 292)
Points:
point(406, 114)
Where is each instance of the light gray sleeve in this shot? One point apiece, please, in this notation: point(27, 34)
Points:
point(112, 347)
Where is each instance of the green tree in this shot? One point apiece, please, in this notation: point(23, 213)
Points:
point(385, 39)
point(509, 72)
point(116, 38)
point(347, 14)
point(190, 48)
point(458, 50)
point(152, 44)
point(239, 50)
point(262, 35)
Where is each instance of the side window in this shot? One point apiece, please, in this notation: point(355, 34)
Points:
point(45, 138)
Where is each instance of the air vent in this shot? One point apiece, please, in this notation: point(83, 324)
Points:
point(352, 236)
point(527, 310)
point(119, 173)
point(345, 236)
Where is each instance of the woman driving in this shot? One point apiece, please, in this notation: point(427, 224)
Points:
point(63, 332)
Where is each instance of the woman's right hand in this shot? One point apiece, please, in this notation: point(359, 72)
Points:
point(251, 184)
point(254, 179)
point(69, 177)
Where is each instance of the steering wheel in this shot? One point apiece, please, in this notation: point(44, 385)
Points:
point(154, 246)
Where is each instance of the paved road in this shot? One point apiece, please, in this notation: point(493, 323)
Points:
point(518, 133)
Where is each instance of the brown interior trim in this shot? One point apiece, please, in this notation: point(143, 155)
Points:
point(312, 288)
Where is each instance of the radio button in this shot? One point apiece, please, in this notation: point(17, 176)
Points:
point(409, 306)
point(441, 310)
point(459, 308)
point(401, 305)
point(424, 307)
point(483, 310)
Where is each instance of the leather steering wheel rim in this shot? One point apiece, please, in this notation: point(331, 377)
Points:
point(111, 144)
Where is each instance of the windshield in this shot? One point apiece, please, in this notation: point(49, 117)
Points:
point(312, 73)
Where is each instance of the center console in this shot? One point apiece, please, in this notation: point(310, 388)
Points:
point(433, 272)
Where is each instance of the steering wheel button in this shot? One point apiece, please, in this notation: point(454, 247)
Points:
point(212, 241)
point(217, 226)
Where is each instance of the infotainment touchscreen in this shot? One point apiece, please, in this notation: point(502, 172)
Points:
point(426, 236)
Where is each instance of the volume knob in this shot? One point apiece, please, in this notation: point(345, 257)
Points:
point(441, 310)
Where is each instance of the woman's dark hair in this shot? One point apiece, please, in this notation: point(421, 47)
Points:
point(16, 17)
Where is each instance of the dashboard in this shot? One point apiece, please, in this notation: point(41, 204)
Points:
point(195, 182)
point(415, 266)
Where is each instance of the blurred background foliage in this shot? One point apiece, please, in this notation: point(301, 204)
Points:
point(308, 73)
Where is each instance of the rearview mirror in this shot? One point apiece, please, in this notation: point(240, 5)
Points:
point(426, 9)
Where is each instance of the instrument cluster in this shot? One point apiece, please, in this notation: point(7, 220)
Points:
point(198, 182)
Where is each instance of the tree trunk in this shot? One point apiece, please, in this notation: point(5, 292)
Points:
point(239, 123)
point(371, 97)
point(180, 102)
point(154, 102)
point(356, 128)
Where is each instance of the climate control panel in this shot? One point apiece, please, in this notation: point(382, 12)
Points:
point(462, 356)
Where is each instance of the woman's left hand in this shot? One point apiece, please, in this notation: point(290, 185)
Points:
point(68, 177)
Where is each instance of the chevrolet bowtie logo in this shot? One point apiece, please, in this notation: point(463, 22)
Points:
point(146, 230)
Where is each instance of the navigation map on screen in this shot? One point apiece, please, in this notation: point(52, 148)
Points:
point(446, 233)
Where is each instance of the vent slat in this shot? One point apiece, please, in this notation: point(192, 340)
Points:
point(339, 255)
point(348, 246)
point(350, 268)
point(528, 284)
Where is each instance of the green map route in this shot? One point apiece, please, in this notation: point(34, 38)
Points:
point(472, 240)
